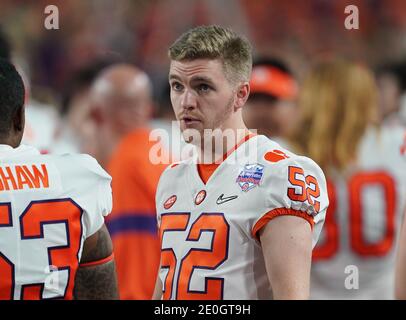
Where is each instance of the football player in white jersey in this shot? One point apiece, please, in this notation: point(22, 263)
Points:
point(53, 242)
point(366, 174)
point(241, 226)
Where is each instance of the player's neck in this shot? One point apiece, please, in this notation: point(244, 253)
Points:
point(11, 140)
point(215, 149)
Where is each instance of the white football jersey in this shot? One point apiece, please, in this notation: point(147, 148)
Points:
point(48, 206)
point(209, 248)
point(355, 256)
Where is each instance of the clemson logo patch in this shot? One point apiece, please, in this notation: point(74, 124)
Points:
point(275, 156)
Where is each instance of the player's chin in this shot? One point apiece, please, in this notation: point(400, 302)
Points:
point(192, 135)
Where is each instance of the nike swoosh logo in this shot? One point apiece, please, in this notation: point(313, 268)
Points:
point(223, 199)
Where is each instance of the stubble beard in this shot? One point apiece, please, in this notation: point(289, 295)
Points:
point(212, 138)
point(216, 133)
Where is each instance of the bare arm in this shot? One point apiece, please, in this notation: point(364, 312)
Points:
point(287, 248)
point(400, 270)
point(97, 282)
point(157, 295)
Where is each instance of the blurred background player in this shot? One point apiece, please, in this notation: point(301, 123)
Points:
point(75, 132)
point(52, 212)
point(271, 106)
point(121, 110)
point(41, 119)
point(391, 81)
point(366, 181)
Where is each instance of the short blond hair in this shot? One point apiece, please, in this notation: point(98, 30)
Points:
point(338, 101)
point(215, 42)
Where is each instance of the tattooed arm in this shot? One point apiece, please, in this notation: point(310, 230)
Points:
point(96, 281)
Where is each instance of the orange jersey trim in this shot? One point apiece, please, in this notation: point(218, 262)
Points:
point(279, 212)
point(206, 170)
point(97, 262)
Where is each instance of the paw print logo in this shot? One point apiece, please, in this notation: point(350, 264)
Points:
point(275, 156)
point(200, 197)
point(170, 202)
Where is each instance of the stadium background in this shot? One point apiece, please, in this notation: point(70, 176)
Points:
point(301, 33)
point(140, 31)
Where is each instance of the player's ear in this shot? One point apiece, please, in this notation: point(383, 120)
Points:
point(151, 110)
point(243, 91)
point(17, 130)
point(96, 114)
point(19, 120)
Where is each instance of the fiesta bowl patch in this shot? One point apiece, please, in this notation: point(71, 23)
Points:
point(250, 176)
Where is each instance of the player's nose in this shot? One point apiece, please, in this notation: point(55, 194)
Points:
point(188, 100)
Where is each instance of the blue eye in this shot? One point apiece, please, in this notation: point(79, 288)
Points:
point(204, 87)
point(177, 86)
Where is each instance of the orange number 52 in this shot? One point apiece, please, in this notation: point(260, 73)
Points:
point(209, 259)
point(308, 187)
